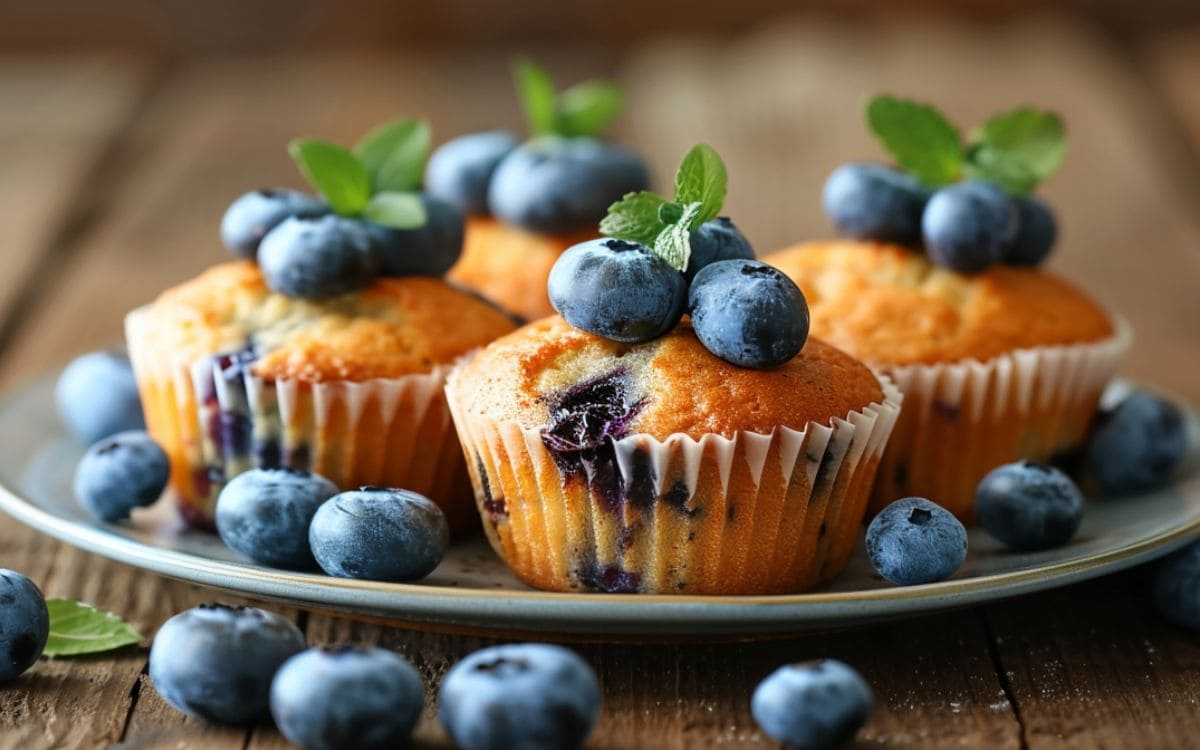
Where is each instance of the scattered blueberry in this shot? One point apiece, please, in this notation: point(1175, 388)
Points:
point(252, 215)
point(24, 624)
point(1029, 507)
point(748, 313)
point(915, 541)
point(460, 170)
point(119, 473)
point(97, 396)
point(315, 258)
point(217, 662)
point(529, 696)
point(1177, 587)
point(618, 290)
point(968, 225)
point(265, 514)
point(814, 705)
point(429, 250)
point(347, 697)
point(717, 240)
point(379, 534)
point(1036, 232)
point(1137, 445)
point(874, 202)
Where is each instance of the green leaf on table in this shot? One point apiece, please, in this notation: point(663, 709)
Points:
point(395, 154)
point(538, 99)
point(1017, 149)
point(673, 244)
point(77, 629)
point(396, 210)
point(335, 172)
point(921, 140)
point(701, 178)
point(635, 218)
point(585, 109)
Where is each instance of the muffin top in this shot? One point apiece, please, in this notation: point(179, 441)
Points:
point(549, 373)
point(890, 305)
point(397, 326)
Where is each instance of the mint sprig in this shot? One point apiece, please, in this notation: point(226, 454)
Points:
point(580, 111)
point(77, 629)
point(395, 154)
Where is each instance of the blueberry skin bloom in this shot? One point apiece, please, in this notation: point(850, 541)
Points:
point(916, 541)
point(814, 705)
point(379, 534)
point(97, 396)
point(429, 250)
point(748, 313)
point(874, 202)
point(24, 624)
point(217, 662)
point(529, 696)
point(1135, 447)
point(716, 240)
point(1035, 235)
point(347, 697)
point(317, 258)
point(460, 170)
point(1029, 507)
point(617, 290)
point(119, 473)
point(1177, 587)
point(265, 514)
point(253, 214)
point(968, 226)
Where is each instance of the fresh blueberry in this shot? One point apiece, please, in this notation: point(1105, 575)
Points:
point(460, 170)
point(265, 515)
point(915, 541)
point(1135, 447)
point(816, 705)
point(428, 250)
point(617, 290)
point(1036, 232)
point(97, 396)
point(563, 184)
point(874, 202)
point(1177, 587)
point(217, 662)
point(252, 215)
point(748, 313)
point(119, 473)
point(967, 226)
point(379, 534)
point(315, 258)
point(24, 624)
point(340, 697)
point(717, 240)
point(1028, 506)
point(528, 696)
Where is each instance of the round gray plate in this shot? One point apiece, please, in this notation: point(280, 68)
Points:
point(473, 590)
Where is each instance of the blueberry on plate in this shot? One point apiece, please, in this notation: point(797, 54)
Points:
point(1137, 445)
point(916, 541)
point(319, 257)
point(874, 202)
point(119, 473)
point(337, 697)
point(618, 290)
point(265, 514)
point(528, 696)
point(967, 226)
point(429, 250)
point(816, 705)
point(748, 313)
point(379, 534)
point(460, 170)
point(1028, 506)
point(217, 662)
point(97, 396)
point(1035, 235)
point(24, 624)
point(1177, 587)
point(716, 240)
point(252, 215)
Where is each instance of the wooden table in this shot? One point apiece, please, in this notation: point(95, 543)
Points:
point(114, 175)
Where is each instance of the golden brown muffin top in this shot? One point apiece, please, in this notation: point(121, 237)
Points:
point(669, 385)
point(397, 326)
point(890, 305)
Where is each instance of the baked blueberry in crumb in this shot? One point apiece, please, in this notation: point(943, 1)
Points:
point(585, 415)
point(815, 705)
point(915, 541)
point(608, 579)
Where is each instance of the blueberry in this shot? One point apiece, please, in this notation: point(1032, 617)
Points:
point(1137, 445)
point(1177, 587)
point(1035, 234)
point(428, 250)
point(528, 696)
point(97, 396)
point(812, 705)
point(1028, 506)
point(24, 624)
point(874, 202)
point(252, 215)
point(119, 473)
point(460, 170)
point(379, 534)
point(717, 240)
point(347, 697)
point(967, 226)
point(563, 184)
point(617, 290)
point(265, 515)
point(315, 258)
point(915, 541)
point(748, 313)
point(217, 662)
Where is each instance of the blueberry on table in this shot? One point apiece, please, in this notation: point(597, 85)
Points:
point(915, 541)
point(97, 396)
point(460, 170)
point(119, 473)
point(748, 313)
point(1177, 587)
point(1035, 234)
point(429, 250)
point(716, 240)
point(816, 705)
point(1137, 445)
point(874, 202)
point(338, 697)
point(24, 624)
point(217, 662)
point(319, 257)
point(1028, 506)
point(379, 534)
point(520, 697)
point(265, 514)
point(252, 215)
point(967, 226)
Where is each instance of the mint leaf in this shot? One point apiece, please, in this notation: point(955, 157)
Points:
point(701, 179)
point(335, 172)
point(920, 140)
point(395, 154)
point(670, 213)
point(1002, 168)
point(80, 629)
point(585, 109)
point(635, 218)
point(673, 244)
point(536, 90)
point(1017, 149)
point(396, 210)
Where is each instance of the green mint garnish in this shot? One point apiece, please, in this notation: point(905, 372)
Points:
point(337, 174)
point(581, 111)
point(395, 210)
point(921, 141)
point(77, 629)
point(701, 179)
point(395, 154)
point(674, 244)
